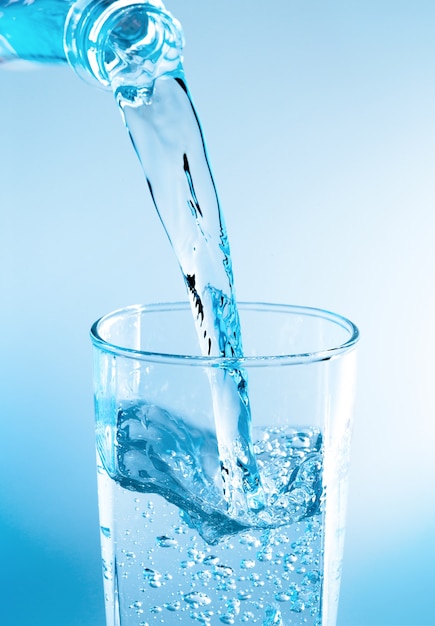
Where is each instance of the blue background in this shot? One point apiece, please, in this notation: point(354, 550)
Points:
point(319, 118)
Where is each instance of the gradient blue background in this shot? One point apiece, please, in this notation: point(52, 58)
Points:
point(319, 118)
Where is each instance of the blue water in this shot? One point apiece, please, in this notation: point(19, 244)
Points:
point(158, 452)
point(33, 30)
point(172, 555)
point(209, 526)
point(146, 73)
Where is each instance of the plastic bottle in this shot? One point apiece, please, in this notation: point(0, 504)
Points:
point(110, 40)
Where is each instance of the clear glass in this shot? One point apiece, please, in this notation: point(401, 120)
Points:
point(172, 554)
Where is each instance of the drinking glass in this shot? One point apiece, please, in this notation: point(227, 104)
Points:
point(180, 542)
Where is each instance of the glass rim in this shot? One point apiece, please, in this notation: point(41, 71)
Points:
point(224, 361)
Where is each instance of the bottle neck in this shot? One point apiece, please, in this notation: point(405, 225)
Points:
point(127, 43)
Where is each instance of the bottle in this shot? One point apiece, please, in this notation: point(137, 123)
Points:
point(33, 30)
point(113, 41)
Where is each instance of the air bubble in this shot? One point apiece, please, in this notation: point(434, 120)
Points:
point(204, 576)
point(204, 617)
point(105, 531)
point(297, 606)
point(273, 617)
point(311, 578)
point(197, 598)
point(282, 597)
point(153, 577)
point(135, 605)
point(223, 571)
point(300, 440)
point(107, 570)
point(265, 555)
point(233, 606)
point(250, 540)
point(247, 563)
point(195, 555)
point(130, 555)
point(289, 561)
point(166, 542)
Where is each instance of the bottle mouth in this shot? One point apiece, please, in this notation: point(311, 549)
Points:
point(123, 42)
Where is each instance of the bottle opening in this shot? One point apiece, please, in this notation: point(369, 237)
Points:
point(123, 43)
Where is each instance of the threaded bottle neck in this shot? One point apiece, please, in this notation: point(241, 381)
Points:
point(127, 43)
